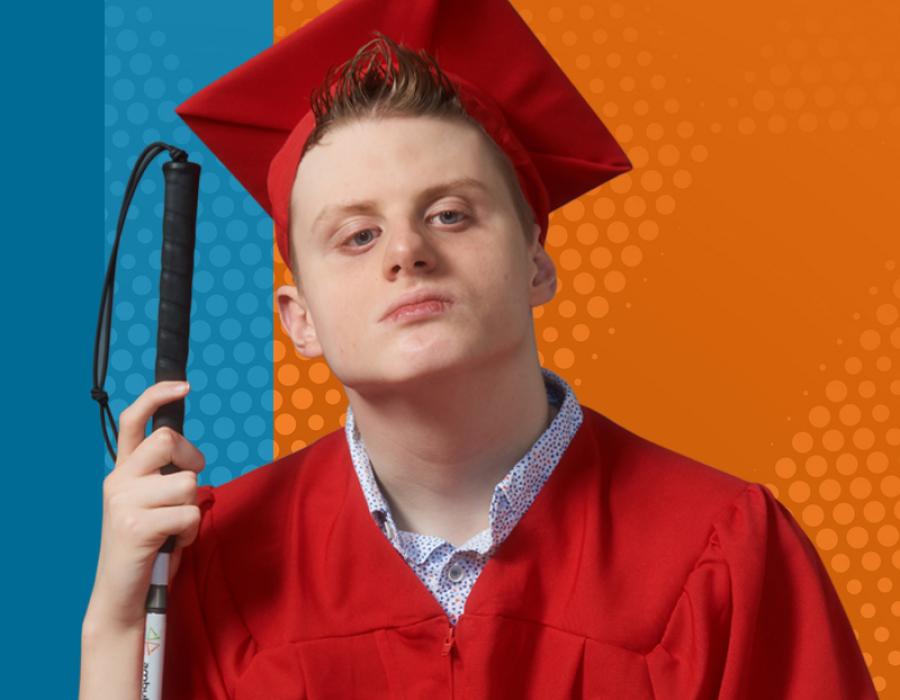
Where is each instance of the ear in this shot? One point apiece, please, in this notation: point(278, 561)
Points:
point(297, 321)
point(543, 271)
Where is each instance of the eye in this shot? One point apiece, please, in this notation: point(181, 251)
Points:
point(355, 236)
point(363, 237)
point(452, 212)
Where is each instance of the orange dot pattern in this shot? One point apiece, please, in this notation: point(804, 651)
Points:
point(723, 290)
point(840, 476)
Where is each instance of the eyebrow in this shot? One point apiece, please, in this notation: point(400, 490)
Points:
point(369, 206)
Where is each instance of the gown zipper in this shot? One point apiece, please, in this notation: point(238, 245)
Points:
point(447, 650)
point(449, 640)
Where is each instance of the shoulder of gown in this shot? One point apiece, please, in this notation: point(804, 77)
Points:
point(758, 616)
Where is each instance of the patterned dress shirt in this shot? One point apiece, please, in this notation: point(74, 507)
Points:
point(450, 572)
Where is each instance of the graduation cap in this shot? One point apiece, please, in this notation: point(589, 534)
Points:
point(257, 118)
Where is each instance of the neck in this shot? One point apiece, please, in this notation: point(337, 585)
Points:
point(439, 447)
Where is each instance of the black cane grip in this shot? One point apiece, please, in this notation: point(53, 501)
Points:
point(182, 179)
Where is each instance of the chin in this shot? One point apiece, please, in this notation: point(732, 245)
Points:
point(423, 342)
point(416, 360)
point(411, 361)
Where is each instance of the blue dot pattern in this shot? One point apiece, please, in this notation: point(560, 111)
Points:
point(146, 76)
point(450, 572)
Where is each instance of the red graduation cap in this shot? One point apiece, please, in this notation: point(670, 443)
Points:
point(257, 118)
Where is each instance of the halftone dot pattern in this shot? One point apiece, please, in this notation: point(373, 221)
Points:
point(840, 475)
point(229, 364)
point(820, 75)
point(600, 240)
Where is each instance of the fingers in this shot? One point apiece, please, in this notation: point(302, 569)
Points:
point(159, 490)
point(149, 528)
point(181, 521)
point(141, 506)
point(133, 420)
point(163, 446)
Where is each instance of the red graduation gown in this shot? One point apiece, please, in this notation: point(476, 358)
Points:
point(636, 573)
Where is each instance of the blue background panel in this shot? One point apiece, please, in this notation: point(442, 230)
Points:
point(87, 85)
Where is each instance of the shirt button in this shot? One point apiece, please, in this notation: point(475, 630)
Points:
point(455, 573)
point(389, 530)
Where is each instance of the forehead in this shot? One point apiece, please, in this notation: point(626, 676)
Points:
point(388, 158)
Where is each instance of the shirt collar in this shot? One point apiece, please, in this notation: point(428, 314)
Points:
point(512, 495)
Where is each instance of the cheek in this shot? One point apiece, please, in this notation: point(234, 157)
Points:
point(346, 323)
point(501, 275)
point(504, 300)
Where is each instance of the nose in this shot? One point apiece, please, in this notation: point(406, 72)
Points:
point(408, 248)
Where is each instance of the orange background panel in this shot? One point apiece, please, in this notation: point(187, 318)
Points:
point(735, 297)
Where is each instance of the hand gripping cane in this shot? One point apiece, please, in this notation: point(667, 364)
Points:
point(182, 180)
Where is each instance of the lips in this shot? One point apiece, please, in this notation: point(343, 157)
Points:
point(420, 310)
point(407, 303)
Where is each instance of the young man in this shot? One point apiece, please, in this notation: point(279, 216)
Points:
point(473, 531)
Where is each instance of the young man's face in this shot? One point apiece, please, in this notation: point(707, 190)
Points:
point(465, 243)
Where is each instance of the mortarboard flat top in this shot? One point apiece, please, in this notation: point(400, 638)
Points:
point(257, 117)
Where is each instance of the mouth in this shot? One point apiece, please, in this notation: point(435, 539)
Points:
point(426, 308)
